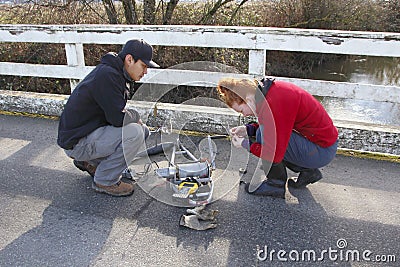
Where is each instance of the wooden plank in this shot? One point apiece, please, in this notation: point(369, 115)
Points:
point(283, 39)
point(46, 71)
point(174, 77)
point(257, 59)
point(75, 57)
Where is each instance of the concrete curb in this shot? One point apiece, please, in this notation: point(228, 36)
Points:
point(352, 135)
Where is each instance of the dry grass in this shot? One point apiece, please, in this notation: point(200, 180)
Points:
point(334, 14)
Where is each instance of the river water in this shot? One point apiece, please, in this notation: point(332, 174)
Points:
point(365, 70)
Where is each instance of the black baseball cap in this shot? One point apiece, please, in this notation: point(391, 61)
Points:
point(139, 49)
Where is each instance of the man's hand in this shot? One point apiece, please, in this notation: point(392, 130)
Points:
point(131, 116)
point(240, 131)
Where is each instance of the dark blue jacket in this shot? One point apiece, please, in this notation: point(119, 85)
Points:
point(98, 100)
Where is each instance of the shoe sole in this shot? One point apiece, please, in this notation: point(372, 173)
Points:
point(101, 190)
point(270, 195)
point(293, 184)
point(276, 195)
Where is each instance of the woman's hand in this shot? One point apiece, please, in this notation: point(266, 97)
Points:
point(237, 141)
point(239, 131)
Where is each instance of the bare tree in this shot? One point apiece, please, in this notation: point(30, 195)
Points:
point(111, 11)
point(130, 11)
point(236, 11)
point(149, 11)
point(217, 5)
point(169, 11)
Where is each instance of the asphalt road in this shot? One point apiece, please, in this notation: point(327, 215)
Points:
point(50, 216)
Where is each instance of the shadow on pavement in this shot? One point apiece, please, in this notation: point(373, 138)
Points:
point(51, 217)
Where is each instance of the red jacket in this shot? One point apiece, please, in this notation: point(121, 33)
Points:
point(290, 108)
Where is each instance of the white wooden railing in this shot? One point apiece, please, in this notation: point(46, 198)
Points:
point(258, 41)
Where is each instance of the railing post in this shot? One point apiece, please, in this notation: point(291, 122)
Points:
point(257, 60)
point(75, 57)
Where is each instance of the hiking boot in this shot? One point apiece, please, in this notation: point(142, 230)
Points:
point(128, 174)
point(305, 178)
point(85, 167)
point(120, 189)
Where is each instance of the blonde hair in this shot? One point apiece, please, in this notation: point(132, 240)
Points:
point(235, 90)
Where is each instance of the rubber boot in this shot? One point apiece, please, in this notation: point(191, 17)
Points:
point(306, 177)
point(269, 187)
point(274, 185)
point(293, 167)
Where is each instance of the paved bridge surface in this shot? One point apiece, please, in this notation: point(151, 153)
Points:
point(49, 216)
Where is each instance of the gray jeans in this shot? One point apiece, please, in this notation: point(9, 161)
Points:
point(110, 149)
point(303, 152)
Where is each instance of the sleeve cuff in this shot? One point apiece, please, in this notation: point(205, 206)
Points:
point(246, 144)
point(133, 116)
point(251, 129)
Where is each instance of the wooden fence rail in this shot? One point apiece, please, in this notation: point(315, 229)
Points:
point(258, 41)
